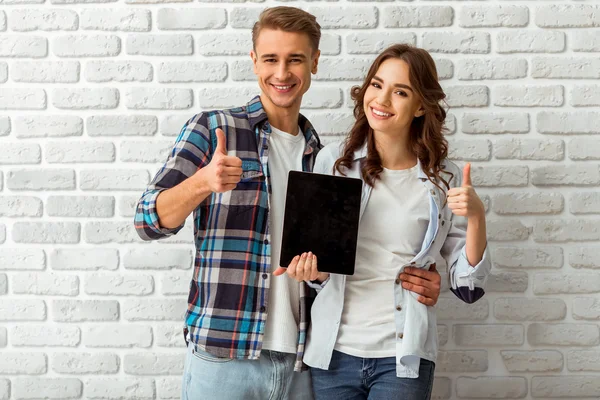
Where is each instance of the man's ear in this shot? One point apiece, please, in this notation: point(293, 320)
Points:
point(254, 58)
point(315, 62)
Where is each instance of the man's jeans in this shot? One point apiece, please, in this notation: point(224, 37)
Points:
point(271, 377)
point(354, 378)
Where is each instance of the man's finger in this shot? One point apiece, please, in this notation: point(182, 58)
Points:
point(221, 142)
point(279, 271)
point(314, 271)
point(291, 269)
point(231, 161)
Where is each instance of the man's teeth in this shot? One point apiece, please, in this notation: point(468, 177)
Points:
point(282, 87)
point(381, 114)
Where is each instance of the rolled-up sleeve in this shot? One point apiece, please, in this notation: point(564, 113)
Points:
point(191, 152)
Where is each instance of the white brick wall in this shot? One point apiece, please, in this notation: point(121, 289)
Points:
point(93, 93)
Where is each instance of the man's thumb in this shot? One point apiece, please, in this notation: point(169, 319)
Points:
point(221, 142)
point(279, 271)
point(467, 175)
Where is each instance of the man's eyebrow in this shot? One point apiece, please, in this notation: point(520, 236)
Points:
point(294, 55)
point(398, 85)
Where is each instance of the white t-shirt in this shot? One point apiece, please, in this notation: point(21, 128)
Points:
point(390, 234)
point(281, 330)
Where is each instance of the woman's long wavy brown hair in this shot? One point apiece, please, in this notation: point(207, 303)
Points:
point(426, 140)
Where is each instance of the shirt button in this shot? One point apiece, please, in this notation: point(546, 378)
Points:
point(399, 308)
point(265, 276)
point(398, 280)
point(439, 216)
point(263, 308)
point(266, 241)
point(432, 192)
point(401, 335)
point(443, 222)
point(266, 147)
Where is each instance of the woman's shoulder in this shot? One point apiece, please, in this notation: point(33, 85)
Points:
point(327, 157)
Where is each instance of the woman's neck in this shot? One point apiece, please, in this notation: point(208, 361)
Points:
point(394, 151)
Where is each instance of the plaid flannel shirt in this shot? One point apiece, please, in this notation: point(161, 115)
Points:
point(229, 291)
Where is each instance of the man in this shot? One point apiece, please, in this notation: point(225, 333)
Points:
point(246, 329)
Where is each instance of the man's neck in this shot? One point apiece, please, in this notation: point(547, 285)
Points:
point(284, 119)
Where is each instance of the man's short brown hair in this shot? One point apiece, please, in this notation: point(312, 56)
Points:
point(288, 19)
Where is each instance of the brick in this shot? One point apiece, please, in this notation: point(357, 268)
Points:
point(530, 42)
point(224, 44)
point(169, 335)
point(159, 259)
point(450, 124)
point(110, 232)
point(148, 152)
point(330, 45)
point(91, 259)
point(462, 361)
point(450, 308)
point(53, 388)
point(571, 283)
point(497, 387)
point(115, 179)
point(80, 1)
point(127, 205)
point(31, 19)
point(442, 388)
point(113, 388)
point(488, 335)
point(126, 20)
point(564, 231)
point(20, 153)
point(346, 69)
point(581, 175)
point(30, 363)
point(191, 19)
point(22, 98)
point(86, 46)
point(46, 232)
point(118, 71)
point(507, 229)
point(528, 203)
point(495, 123)
point(119, 285)
point(168, 388)
point(85, 98)
point(565, 68)
point(242, 70)
point(585, 95)
point(2, 24)
point(244, 17)
point(443, 334)
point(154, 309)
point(582, 149)
point(22, 310)
point(584, 257)
point(153, 364)
point(493, 16)
point(467, 96)
point(528, 96)
point(22, 259)
point(583, 360)
point(567, 16)
point(45, 71)
point(585, 41)
point(79, 152)
point(566, 123)
point(85, 310)
point(563, 334)
point(507, 282)
point(469, 149)
point(42, 335)
point(217, 98)
point(491, 68)
point(5, 125)
point(586, 308)
point(355, 17)
point(332, 123)
point(157, 99)
point(2, 233)
point(3, 290)
point(445, 68)
point(160, 45)
point(46, 284)
point(34, 179)
point(529, 149)
point(23, 46)
point(40, 126)
point(176, 283)
point(3, 75)
point(561, 387)
point(376, 42)
point(85, 363)
point(81, 206)
point(122, 125)
point(192, 71)
point(532, 361)
point(417, 17)
point(117, 336)
point(457, 42)
point(528, 309)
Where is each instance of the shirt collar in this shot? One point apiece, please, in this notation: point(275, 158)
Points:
point(362, 153)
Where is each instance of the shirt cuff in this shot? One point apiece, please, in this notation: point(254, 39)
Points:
point(317, 286)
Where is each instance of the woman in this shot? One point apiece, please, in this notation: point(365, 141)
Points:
point(370, 338)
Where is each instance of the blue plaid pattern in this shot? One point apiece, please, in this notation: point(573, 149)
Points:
point(228, 298)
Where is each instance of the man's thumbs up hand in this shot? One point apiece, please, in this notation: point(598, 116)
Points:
point(223, 172)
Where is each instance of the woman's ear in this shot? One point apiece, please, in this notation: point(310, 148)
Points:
point(420, 112)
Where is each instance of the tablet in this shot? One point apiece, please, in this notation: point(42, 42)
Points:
point(321, 215)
